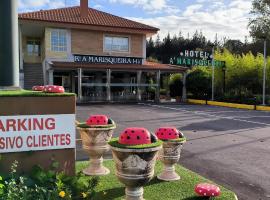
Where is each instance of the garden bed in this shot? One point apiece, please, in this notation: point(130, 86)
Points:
point(110, 188)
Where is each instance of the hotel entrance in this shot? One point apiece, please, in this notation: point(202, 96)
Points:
point(112, 83)
point(115, 86)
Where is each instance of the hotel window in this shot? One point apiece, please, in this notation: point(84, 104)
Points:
point(33, 47)
point(118, 44)
point(59, 40)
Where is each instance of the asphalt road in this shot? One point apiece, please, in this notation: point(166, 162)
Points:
point(228, 146)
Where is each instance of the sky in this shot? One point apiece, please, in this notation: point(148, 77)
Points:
point(224, 18)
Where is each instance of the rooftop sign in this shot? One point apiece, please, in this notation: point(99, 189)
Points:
point(110, 60)
point(196, 58)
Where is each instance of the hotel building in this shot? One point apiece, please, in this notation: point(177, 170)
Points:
point(99, 56)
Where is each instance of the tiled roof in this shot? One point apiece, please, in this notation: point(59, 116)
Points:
point(95, 17)
point(145, 66)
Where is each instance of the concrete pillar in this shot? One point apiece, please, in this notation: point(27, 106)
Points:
point(50, 81)
point(158, 87)
point(98, 89)
point(9, 45)
point(79, 84)
point(73, 82)
point(108, 85)
point(20, 49)
point(139, 92)
point(184, 92)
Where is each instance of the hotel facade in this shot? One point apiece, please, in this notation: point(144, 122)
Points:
point(98, 56)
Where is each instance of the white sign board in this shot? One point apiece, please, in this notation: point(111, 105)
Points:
point(37, 132)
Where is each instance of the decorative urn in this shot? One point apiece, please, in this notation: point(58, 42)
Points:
point(173, 141)
point(134, 153)
point(95, 135)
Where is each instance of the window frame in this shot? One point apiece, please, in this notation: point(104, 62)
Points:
point(116, 36)
point(59, 45)
point(35, 43)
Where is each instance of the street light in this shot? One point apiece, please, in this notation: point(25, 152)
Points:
point(213, 73)
point(264, 71)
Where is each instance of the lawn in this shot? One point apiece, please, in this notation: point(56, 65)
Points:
point(109, 187)
point(29, 93)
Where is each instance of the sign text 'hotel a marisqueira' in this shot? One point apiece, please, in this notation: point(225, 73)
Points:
point(196, 58)
point(111, 60)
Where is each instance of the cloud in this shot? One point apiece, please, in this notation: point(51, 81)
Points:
point(225, 17)
point(209, 16)
point(150, 6)
point(98, 6)
point(31, 5)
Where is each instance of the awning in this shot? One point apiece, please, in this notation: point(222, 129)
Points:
point(146, 66)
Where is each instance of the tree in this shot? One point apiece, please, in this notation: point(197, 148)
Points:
point(150, 48)
point(234, 46)
point(260, 22)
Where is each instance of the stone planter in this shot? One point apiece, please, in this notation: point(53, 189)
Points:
point(169, 155)
point(135, 168)
point(95, 143)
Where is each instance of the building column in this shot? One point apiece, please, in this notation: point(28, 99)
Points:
point(9, 50)
point(139, 92)
point(184, 92)
point(73, 82)
point(108, 84)
point(79, 84)
point(50, 81)
point(158, 87)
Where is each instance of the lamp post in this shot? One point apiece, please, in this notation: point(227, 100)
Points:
point(213, 73)
point(9, 45)
point(264, 72)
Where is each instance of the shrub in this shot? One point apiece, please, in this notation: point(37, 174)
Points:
point(163, 91)
point(199, 83)
point(46, 185)
point(176, 85)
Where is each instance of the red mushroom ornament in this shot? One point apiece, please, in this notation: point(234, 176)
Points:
point(207, 190)
point(168, 133)
point(53, 89)
point(135, 136)
point(38, 88)
point(97, 120)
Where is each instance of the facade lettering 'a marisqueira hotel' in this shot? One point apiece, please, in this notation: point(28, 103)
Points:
point(99, 56)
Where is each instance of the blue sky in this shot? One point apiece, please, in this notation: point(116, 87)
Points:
point(222, 17)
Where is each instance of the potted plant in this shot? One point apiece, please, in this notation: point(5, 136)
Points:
point(95, 135)
point(173, 141)
point(134, 153)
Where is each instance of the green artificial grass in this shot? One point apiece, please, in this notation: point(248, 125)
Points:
point(114, 142)
point(110, 188)
point(111, 124)
point(177, 140)
point(29, 93)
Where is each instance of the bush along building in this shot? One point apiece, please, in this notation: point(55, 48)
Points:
point(99, 56)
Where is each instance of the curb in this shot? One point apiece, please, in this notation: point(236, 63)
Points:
point(235, 196)
point(229, 105)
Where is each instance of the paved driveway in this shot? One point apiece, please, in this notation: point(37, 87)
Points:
point(229, 146)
